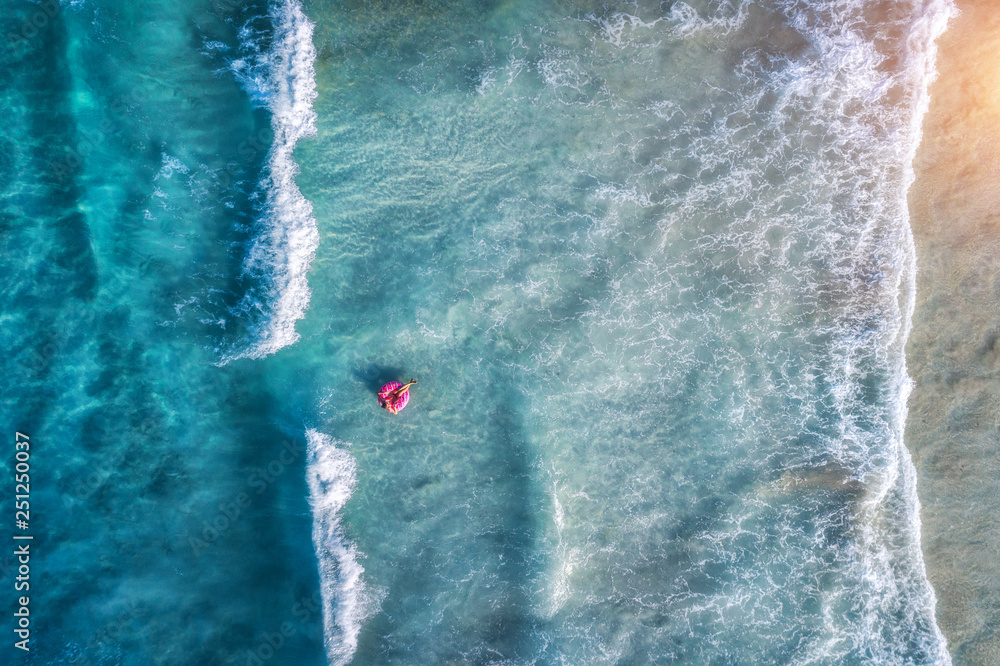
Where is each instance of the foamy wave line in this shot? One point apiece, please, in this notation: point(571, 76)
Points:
point(330, 473)
point(922, 53)
point(895, 580)
point(286, 236)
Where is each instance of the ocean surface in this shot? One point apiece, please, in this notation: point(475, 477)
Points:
point(650, 263)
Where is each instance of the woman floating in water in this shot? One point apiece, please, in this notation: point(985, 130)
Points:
point(394, 396)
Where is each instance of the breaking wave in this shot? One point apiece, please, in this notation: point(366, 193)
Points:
point(331, 476)
point(285, 236)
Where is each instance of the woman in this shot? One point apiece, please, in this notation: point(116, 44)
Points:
point(394, 396)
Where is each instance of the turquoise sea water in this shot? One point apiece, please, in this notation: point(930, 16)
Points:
point(649, 262)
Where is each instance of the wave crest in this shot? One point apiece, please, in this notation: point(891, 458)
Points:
point(285, 236)
point(331, 476)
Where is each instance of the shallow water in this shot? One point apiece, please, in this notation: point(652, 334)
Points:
point(650, 264)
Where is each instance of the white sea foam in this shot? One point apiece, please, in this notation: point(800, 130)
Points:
point(170, 165)
point(897, 598)
point(562, 564)
point(285, 236)
point(330, 473)
point(894, 599)
point(817, 267)
point(930, 23)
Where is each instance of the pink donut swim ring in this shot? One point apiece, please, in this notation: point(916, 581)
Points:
point(392, 399)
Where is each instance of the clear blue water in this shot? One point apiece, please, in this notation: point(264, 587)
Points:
point(650, 263)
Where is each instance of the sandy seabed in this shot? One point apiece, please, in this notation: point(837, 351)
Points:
point(953, 353)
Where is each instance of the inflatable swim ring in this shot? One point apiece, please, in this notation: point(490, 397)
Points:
point(396, 405)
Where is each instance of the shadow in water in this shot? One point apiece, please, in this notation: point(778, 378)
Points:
point(374, 376)
point(461, 592)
